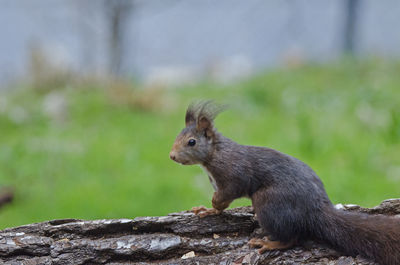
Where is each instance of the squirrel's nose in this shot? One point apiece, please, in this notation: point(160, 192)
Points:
point(172, 156)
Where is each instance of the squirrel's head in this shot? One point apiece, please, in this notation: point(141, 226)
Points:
point(195, 143)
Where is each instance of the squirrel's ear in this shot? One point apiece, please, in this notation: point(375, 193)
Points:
point(190, 117)
point(205, 125)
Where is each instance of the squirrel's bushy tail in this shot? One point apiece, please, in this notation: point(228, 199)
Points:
point(376, 237)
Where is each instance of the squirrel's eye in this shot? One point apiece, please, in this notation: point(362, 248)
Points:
point(192, 142)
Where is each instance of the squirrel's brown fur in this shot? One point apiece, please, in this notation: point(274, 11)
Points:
point(288, 197)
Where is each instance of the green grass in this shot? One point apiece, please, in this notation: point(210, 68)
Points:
point(108, 160)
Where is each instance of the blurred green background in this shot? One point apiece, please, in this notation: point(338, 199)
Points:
point(102, 150)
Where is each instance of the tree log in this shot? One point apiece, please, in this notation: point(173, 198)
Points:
point(179, 238)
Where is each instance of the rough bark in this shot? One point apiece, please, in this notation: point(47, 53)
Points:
point(219, 239)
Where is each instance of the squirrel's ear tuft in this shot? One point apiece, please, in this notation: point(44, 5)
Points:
point(190, 117)
point(207, 111)
point(202, 113)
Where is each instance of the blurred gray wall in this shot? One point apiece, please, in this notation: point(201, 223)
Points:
point(190, 36)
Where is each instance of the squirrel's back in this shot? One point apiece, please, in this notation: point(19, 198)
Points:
point(295, 204)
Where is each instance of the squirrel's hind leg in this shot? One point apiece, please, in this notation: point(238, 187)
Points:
point(266, 244)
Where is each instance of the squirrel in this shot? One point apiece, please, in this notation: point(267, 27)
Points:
point(288, 197)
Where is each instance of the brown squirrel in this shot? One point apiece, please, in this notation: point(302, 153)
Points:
point(288, 197)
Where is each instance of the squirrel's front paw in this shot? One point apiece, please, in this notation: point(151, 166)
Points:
point(202, 211)
point(196, 210)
